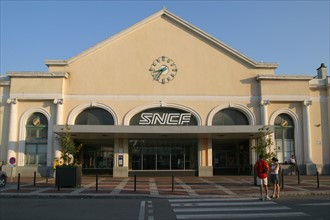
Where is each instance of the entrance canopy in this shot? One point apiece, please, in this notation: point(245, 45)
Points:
point(115, 131)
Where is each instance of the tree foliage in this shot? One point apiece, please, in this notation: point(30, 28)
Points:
point(69, 149)
point(263, 144)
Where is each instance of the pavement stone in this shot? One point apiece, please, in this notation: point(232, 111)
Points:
point(161, 187)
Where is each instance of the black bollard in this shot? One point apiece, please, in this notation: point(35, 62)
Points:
point(18, 181)
point(317, 179)
point(34, 178)
point(172, 183)
point(282, 184)
point(298, 177)
point(134, 182)
point(58, 182)
point(47, 174)
point(97, 182)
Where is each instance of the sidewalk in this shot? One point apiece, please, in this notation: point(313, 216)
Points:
point(161, 187)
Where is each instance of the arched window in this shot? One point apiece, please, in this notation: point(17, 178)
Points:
point(36, 139)
point(284, 137)
point(230, 116)
point(94, 116)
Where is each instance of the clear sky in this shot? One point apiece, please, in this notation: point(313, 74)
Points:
point(292, 33)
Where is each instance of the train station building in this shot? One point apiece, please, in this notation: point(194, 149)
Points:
point(163, 98)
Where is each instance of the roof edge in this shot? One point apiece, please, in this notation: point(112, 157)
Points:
point(31, 74)
point(284, 77)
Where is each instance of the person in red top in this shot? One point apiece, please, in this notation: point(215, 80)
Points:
point(261, 168)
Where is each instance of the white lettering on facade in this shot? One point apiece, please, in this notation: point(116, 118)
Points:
point(164, 118)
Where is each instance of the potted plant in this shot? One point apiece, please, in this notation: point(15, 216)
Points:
point(68, 172)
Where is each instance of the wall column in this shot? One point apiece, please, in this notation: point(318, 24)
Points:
point(310, 167)
point(59, 121)
point(264, 112)
point(13, 129)
point(307, 134)
point(205, 168)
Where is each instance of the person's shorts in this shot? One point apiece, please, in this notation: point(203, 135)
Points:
point(262, 181)
point(274, 179)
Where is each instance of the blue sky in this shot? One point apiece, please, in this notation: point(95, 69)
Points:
point(292, 33)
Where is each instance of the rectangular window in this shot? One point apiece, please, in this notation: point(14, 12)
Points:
point(36, 154)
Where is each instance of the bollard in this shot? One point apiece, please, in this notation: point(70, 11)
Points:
point(172, 183)
point(58, 182)
point(34, 178)
point(298, 177)
point(317, 179)
point(47, 175)
point(282, 184)
point(134, 182)
point(97, 182)
point(18, 181)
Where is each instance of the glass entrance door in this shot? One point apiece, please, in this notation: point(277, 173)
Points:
point(97, 158)
point(163, 154)
point(231, 158)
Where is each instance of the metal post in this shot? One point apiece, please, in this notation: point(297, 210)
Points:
point(34, 178)
point(134, 182)
point(282, 186)
point(18, 181)
point(317, 179)
point(172, 183)
point(47, 175)
point(58, 182)
point(298, 177)
point(97, 182)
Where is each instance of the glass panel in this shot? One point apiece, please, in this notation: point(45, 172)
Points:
point(149, 157)
point(30, 153)
point(191, 157)
point(94, 116)
point(163, 156)
point(230, 117)
point(177, 157)
point(42, 153)
point(97, 157)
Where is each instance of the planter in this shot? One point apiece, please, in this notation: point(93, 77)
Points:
point(68, 176)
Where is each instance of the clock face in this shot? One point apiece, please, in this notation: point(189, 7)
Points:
point(36, 121)
point(163, 69)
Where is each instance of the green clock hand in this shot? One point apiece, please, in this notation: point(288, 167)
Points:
point(159, 72)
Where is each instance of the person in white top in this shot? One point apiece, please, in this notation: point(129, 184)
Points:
point(292, 162)
point(274, 178)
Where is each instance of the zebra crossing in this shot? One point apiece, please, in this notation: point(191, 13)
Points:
point(229, 208)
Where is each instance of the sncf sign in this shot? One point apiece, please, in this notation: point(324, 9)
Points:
point(165, 118)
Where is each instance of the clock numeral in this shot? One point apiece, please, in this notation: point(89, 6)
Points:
point(172, 74)
point(163, 58)
point(174, 70)
point(158, 60)
point(154, 64)
point(152, 69)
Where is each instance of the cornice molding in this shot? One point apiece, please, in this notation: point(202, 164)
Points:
point(284, 77)
point(38, 74)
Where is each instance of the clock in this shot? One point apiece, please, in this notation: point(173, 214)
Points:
point(163, 69)
point(36, 121)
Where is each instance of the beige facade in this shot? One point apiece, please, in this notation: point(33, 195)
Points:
point(192, 93)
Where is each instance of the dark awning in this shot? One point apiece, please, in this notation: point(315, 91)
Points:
point(117, 131)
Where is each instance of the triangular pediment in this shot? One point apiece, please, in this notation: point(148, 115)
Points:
point(175, 20)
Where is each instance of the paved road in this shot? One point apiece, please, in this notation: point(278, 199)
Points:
point(152, 209)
